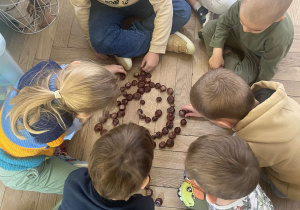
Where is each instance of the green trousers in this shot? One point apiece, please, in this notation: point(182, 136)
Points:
point(239, 60)
point(49, 177)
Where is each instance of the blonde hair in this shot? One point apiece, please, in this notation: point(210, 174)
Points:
point(221, 94)
point(224, 166)
point(120, 161)
point(83, 87)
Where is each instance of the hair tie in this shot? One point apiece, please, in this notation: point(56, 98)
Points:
point(57, 94)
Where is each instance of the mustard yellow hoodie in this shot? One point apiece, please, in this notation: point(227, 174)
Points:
point(272, 130)
point(162, 22)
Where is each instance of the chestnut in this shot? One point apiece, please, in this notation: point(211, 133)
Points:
point(152, 84)
point(119, 103)
point(122, 89)
point(136, 74)
point(172, 135)
point(147, 119)
point(142, 72)
point(103, 131)
point(137, 96)
point(158, 113)
point(129, 97)
point(170, 91)
point(171, 110)
point(98, 127)
point(142, 102)
point(170, 124)
point(177, 130)
point(165, 130)
point(122, 107)
point(154, 118)
point(158, 202)
point(170, 117)
point(121, 113)
point(170, 99)
point(158, 134)
point(142, 116)
point(141, 84)
point(134, 82)
point(139, 111)
point(154, 144)
point(158, 99)
point(149, 192)
point(157, 85)
point(124, 101)
point(162, 144)
point(163, 88)
point(182, 113)
point(128, 85)
point(122, 76)
point(147, 89)
point(141, 91)
point(114, 115)
point(115, 122)
point(170, 143)
point(148, 75)
point(183, 122)
point(124, 94)
point(141, 77)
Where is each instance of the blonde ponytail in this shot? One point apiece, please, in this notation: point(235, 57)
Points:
point(82, 87)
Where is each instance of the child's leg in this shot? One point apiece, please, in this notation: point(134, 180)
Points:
point(247, 67)
point(49, 177)
point(143, 9)
point(217, 6)
point(107, 37)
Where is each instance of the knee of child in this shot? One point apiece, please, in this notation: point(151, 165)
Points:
point(184, 12)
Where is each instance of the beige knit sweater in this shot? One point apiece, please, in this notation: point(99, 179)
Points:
point(272, 130)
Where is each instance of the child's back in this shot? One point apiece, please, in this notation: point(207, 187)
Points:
point(119, 165)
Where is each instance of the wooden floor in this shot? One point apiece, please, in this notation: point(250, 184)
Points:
point(62, 42)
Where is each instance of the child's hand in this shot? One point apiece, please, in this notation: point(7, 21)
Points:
point(191, 111)
point(150, 61)
point(114, 69)
point(216, 60)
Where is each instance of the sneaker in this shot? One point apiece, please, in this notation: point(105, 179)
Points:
point(179, 43)
point(202, 12)
point(125, 62)
point(200, 35)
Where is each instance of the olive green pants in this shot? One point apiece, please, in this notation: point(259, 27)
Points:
point(49, 177)
point(239, 60)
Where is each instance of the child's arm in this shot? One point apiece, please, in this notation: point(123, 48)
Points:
point(82, 13)
point(224, 24)
point(270, 60)
point(191, 111)
point(162, 29)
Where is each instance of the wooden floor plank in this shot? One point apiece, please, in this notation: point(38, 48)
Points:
point(46, 201)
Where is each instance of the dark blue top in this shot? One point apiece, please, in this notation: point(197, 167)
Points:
point(79, 194)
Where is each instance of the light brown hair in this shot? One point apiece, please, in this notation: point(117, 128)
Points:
point(224, 166)
point(221, 94)
point(264, 12)
point(120, 161)
point(84, 87)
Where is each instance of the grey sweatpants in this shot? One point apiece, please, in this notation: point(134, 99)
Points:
point(217, 6)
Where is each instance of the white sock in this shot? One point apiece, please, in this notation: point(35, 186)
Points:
point(196, 6)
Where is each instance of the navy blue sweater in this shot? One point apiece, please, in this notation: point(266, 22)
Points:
point(79, 194)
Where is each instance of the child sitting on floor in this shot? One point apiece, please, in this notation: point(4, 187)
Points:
point(250, 39)
point(263, 115)
point(226, 172)
point(36, 116)
point(119, 167)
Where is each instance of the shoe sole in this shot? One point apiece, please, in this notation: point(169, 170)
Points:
point(189, 44)
point(125, 62)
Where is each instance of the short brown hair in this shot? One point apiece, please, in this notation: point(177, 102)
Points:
point(221, 94)
point(120, 161)
point(224, 166)
point(264, 11)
